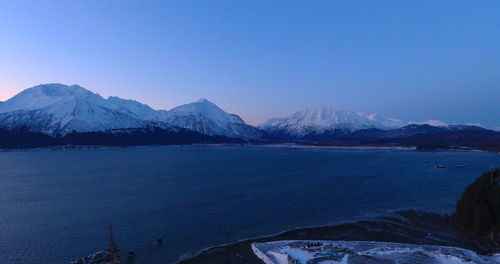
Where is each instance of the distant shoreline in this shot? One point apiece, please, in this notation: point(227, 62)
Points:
point(270, 145)
point(293, 145)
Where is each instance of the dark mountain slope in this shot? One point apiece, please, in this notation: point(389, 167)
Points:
point(475, 139)
point(122, 137)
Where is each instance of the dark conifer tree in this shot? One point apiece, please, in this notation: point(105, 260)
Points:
point(113, 250)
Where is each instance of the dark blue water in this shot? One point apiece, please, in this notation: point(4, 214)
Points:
point(55, 206)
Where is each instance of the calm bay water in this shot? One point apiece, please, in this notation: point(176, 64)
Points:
point(55, 206)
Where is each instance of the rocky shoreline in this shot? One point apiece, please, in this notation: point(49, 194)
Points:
point(410, 227)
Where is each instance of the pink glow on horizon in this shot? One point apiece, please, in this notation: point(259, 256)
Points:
point(7, 91)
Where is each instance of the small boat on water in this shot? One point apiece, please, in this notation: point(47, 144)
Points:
point(439, 166)
point(461, 166)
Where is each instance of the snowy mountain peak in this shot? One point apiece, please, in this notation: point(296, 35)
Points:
point(323, 119)
point(45, 95)
point(205, 108)
point(61, 109)
point(203, 100)
point(324, 116)
point(206, 117)
point(57, 90)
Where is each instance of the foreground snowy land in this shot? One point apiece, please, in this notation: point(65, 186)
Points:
point(368, 252)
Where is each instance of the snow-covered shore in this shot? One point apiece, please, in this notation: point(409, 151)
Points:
point(346, 252)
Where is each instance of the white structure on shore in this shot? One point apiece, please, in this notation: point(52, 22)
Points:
point(350, 252)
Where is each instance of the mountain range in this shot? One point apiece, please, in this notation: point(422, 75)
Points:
point(61, 111)
point(57, 109)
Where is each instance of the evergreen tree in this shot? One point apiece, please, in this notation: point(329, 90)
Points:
point(478, 209)
point(113, 250)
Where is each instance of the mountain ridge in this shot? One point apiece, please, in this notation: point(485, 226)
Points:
point(58, 110)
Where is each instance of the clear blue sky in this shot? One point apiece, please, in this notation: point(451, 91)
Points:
point(413, 60)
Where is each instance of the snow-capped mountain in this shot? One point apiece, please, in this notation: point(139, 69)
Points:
point(58, 109)
point(324, 119)
point(207, 118)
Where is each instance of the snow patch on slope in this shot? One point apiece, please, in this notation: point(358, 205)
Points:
point(435, 123)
